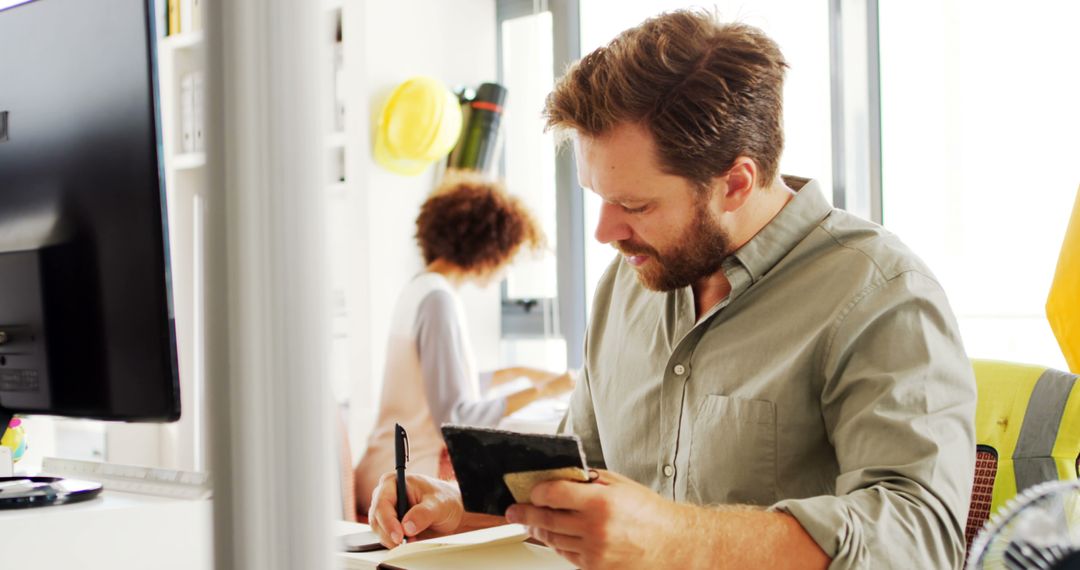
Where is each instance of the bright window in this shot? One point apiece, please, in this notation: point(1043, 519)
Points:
point(530, 153)
point(529, 158)
point(980, 147)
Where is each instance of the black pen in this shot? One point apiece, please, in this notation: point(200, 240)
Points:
point(401, 456)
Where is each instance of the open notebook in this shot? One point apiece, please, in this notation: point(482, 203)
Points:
point(494, 548)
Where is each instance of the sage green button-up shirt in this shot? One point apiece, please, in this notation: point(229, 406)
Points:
point(831, 383)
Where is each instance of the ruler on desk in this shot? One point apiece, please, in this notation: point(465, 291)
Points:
point(132, 478)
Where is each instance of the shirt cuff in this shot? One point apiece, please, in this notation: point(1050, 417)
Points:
point(826, 520)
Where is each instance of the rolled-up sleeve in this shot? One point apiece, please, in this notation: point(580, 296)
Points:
point(898, 401)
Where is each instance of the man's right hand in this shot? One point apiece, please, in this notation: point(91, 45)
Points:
point(436, 505)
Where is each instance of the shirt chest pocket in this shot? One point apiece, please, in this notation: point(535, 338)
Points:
point(733, 452)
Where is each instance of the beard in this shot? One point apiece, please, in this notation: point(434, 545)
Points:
point(697, 253)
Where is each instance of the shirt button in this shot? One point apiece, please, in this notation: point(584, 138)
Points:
point(680, 369)
point(668, 471)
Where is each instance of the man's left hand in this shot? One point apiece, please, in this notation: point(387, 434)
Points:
point(613, 522)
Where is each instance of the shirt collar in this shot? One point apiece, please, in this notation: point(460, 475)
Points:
point(789, 227)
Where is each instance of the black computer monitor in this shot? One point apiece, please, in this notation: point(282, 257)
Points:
point(86, 323)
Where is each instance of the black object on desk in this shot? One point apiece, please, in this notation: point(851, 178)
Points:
point(23, 492)
point(401, 456)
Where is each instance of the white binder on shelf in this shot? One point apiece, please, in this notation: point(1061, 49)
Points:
point(185, 16)
point(198, 104)
point(187, 113)
point(196, 15)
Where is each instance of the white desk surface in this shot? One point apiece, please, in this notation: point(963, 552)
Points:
point(114, 531)
point(118, 531)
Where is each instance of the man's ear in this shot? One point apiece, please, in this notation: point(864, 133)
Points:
point(737, 184)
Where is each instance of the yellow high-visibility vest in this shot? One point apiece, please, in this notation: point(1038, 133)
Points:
point(1030, 416)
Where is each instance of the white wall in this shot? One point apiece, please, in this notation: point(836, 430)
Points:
point(455, 43)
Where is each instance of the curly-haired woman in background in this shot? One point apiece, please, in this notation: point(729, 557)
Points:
point(469, 230)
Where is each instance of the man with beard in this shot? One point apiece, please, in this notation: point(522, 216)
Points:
point(769, 382)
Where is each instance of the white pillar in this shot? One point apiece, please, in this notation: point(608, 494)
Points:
point(267, 339)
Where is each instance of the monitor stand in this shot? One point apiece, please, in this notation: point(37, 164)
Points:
point(21, 492)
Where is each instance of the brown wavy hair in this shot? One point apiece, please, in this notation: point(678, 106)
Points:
point(473, 223)
point(708, 92)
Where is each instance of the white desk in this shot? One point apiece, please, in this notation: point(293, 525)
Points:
point(115, 531)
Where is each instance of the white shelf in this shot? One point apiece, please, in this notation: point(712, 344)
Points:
point(337, 188)
point(187, 40)
point(189, 161)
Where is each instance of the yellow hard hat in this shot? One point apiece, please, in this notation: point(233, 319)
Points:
point(418, 125)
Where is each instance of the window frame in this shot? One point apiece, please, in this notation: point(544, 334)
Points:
point(563, 315)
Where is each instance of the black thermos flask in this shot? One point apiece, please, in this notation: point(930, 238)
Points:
point(479, 137)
